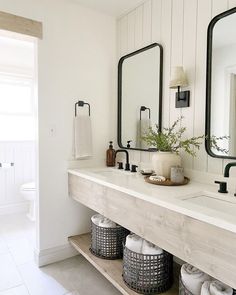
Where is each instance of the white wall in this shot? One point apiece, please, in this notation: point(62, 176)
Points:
point(181, 27)
point(76, 60)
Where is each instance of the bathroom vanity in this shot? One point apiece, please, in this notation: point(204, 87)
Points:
point(192, 222)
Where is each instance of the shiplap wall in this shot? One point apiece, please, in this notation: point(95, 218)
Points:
point(23, 155)
point(181, 27)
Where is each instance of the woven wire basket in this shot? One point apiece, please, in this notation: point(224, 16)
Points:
point(147, 274)
point(107, 243)
point(182, 289)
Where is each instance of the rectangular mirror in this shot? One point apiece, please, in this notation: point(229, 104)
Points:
point(221, 86)
point(139, 95)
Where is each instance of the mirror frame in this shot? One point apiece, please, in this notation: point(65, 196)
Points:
point(122, 59)
point(209, 84)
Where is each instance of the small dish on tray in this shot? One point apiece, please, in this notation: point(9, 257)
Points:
point(166, 182)
point(147, 172)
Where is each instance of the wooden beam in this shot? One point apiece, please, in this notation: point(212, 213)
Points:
point(22, 25)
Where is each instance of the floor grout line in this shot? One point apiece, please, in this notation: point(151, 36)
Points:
point(73, 276)
point(9, 289)
point(25, 234)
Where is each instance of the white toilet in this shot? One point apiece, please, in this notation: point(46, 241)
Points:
point(28, 191)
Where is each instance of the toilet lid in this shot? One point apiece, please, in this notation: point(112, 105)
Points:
point(28, 186)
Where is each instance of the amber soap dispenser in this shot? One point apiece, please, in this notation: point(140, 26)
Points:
point(111, 156)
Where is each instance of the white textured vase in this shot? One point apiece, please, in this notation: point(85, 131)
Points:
point(163, 161)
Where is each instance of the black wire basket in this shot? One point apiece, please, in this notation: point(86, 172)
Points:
point(147, 274)
point(107, 243)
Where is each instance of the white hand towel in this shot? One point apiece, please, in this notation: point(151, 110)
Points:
point(215, 288)
point(83, 137)
point(105, 222)
point(97, 218)
point(150, 249)
point(193, 278)
point(134, 243)
point(145, 125)
point(142, 128)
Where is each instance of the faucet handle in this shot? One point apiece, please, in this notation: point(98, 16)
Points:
point(127, 167)
point(222, 187)
point(120, 165)
point(134, 168)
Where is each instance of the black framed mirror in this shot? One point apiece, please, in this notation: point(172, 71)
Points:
point(221, 86)
point(139, 95)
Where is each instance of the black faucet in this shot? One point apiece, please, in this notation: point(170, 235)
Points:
point(127, 165)
point(226, 174)
point(227, 168)
point(223, 184)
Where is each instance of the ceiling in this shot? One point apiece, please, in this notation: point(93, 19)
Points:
point(111, 7)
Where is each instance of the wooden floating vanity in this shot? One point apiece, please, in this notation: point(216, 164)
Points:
point(159, 215)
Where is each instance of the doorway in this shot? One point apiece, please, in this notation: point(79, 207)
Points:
point(18, 148)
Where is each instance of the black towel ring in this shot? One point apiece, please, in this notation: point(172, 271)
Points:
point(143, 109)
point(81, 103)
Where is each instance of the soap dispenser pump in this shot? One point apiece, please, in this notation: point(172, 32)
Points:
point(111, 156)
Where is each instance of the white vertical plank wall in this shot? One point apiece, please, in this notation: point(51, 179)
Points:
point(189, 63)
point(203, 19)
point(22, 154)
point(180, 26)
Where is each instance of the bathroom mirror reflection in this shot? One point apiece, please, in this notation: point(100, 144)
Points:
point(139, 95)
point(221, 86)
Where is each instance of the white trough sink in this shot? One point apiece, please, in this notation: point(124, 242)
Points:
point(223, 204)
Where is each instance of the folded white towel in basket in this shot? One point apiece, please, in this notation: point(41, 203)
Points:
point(97, 218)
point(193, 278)
point(150, 249)
point(134, 243)
point(215, 288)
point(105, 222)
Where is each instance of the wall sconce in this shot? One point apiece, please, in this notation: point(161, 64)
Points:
point(178, 80)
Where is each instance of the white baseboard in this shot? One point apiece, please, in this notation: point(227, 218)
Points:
point(54, 254)
point(21, 207)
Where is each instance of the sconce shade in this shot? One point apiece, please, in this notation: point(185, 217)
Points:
point(178, 78)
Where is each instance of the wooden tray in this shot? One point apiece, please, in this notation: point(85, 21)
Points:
point(167, 182)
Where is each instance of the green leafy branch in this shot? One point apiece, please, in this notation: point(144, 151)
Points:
point(214, 143)
point(171, 139)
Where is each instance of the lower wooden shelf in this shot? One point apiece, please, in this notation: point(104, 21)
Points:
point(111, 269)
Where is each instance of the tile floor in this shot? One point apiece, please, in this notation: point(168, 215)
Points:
point(20, 276)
